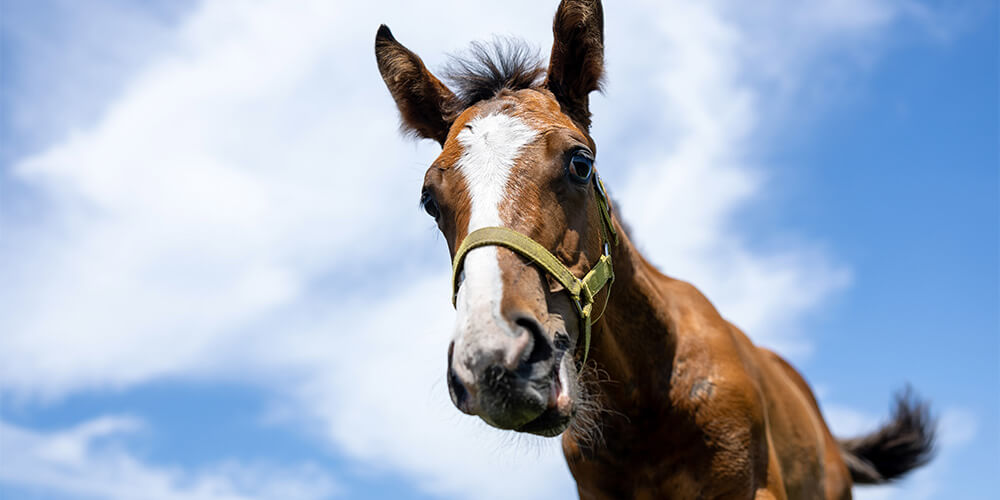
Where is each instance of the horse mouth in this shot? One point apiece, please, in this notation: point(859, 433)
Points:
point(556, 418)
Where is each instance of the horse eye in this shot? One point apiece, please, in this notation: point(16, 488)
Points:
point(580, 167)
point(429, 205)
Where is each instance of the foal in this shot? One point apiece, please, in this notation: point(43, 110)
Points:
point(686, 406)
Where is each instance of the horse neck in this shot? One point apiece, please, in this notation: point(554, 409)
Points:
point(634, 341)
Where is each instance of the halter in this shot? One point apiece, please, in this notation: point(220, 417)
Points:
point(582, 290)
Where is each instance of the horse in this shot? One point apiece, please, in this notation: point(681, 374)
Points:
point(563, 327)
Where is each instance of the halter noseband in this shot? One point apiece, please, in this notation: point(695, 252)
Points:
point(582, 290)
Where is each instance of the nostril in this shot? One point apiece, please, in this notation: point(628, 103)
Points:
point(459, 395)
point(562, 342)
point(541, 350)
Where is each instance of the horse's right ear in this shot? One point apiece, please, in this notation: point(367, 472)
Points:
point(427, 106)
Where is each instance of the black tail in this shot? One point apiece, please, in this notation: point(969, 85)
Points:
point(901, 445)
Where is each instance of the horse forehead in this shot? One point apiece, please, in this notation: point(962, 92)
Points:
point(493, 142)
point(536, 109)
point(491, 145)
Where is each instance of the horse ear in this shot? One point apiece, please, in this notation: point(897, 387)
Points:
point(577, 62)
point(426, 105)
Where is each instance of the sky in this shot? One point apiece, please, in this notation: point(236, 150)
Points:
point(216, 283)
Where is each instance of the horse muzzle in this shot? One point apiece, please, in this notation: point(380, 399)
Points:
point(506, 376)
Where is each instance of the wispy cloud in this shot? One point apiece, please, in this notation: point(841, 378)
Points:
point(73, 67)
point(89, 461)
point(245, 208)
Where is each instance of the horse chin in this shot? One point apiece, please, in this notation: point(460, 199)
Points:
point(550, 423)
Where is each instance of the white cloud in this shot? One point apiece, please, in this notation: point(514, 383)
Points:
point(74, 39)
point(89, 461)
point(246, 209)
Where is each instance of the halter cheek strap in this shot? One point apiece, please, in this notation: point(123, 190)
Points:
point(583, 291)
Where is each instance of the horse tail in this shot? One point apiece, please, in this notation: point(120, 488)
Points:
point(899, 446)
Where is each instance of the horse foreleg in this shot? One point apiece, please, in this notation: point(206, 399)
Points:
point(767, 494)
point(775, 489)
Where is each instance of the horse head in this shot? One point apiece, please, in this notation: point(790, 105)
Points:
point(517, 159)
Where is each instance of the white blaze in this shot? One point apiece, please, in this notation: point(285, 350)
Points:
point(490, 147)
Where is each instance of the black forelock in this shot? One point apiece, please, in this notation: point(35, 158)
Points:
point(488, 68)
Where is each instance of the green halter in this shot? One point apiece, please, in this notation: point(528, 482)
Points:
point(583, 291)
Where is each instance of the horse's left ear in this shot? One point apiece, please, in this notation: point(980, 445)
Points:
point(427, 106)
point(577, 62)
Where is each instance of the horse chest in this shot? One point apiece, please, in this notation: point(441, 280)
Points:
point(672, 479)
point(673, 461)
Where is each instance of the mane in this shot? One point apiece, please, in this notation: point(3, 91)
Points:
point(488, 68)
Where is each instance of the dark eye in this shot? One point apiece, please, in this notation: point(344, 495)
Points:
point(429, 205)
point(580, 167)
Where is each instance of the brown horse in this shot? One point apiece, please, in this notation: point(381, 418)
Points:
point(672, 400)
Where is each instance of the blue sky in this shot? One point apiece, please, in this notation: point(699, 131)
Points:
point(187, 312)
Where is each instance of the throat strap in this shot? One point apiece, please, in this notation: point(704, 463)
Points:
point(582, 290)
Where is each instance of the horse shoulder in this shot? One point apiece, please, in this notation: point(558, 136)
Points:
point(716, 379)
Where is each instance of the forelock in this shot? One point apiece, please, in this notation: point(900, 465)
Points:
point(489, 68)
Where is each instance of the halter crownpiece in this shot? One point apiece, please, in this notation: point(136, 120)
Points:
point(581, 290)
